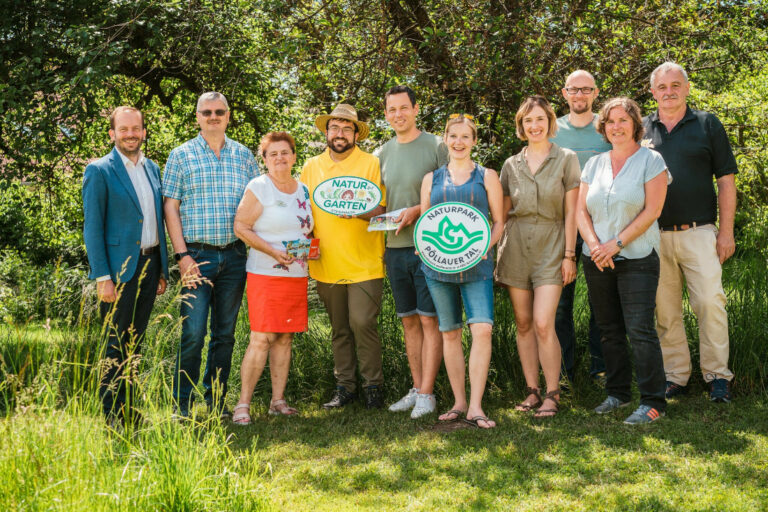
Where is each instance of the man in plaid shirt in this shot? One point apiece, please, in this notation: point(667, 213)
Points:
point(203, 182)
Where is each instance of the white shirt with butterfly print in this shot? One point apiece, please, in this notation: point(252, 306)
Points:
point(285, 217)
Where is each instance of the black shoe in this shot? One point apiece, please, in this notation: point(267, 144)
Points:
point(720, 391)
point(340, 398)
point(675, 390)
point(373, 398)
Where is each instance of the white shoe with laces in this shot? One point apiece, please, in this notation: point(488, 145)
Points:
point(406, 403)
point(425, 404)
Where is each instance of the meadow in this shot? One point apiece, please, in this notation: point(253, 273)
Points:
point(58, 453)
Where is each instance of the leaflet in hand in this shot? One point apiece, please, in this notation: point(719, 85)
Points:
point(303, 248)
point(386, 221)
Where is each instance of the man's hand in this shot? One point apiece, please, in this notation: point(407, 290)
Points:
point(161, 286)
point(105, 290)
point(725, 246)
point(190, 274)
point(408, 217)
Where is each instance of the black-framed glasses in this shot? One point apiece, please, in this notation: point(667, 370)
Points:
point(573, 91)
point(207, 113)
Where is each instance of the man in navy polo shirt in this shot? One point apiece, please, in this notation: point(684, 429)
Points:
point(696, 148)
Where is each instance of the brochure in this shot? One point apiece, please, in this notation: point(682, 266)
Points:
point(386, 221)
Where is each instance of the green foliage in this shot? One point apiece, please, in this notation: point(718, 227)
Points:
point(41, 226)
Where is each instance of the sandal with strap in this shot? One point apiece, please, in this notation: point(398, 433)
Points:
point(550, 412)
point(281, 408)
point(524, 407)
point(242, 418)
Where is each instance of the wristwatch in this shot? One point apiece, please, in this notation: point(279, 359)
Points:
point(619, 244)
point(180, 255)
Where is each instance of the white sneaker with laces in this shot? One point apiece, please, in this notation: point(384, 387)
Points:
point(406, 403)
point(425, 404)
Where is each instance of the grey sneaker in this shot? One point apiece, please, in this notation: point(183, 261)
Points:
point(642, 415)
point(720, 391)
point(425, 404)
point(406, 403)
point(610, 404)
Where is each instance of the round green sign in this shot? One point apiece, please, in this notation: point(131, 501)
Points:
point(452, 237)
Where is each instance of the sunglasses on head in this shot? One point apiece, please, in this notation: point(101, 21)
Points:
point(454, 116)
point(207, 113)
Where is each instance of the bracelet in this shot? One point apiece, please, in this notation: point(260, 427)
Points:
point(571, 251)
point(572, 258)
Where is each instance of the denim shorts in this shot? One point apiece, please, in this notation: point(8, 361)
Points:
point(409, 286)
point(476, 295)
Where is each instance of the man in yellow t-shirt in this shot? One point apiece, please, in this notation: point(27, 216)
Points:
point(350, 271)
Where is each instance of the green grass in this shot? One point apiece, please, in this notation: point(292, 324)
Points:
point(57, 454)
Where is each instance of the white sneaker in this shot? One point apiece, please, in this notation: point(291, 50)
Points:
point(425, 404)
point(405, 403)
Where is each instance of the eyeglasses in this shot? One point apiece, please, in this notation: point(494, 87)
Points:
point(454, 116)
point(274, 154)
point(573, 91)
point(207, 113)
point(346, 130)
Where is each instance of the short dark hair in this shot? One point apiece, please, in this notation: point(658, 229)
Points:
point(399, 89)
point(272, 137)
point(630, 107)
point(123, 108)
point(340, 119)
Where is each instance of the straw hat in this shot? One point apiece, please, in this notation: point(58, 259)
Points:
point(343, 111)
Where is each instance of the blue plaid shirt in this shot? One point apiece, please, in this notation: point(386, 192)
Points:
point(209, 188)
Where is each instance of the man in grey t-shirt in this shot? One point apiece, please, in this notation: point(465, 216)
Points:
point(405, 159)
point(576, 131)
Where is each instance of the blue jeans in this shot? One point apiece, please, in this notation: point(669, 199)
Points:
point(624, 300)
point(476, 295)
point(409, 286)
point(566, 332)
point(222, 296)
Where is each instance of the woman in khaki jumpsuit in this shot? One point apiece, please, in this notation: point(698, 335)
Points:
point(537, 253)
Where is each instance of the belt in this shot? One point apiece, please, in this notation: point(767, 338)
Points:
point(684, 227)
point(150, 250)
point(209, 247)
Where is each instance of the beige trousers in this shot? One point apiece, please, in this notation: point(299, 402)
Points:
point(691, 254)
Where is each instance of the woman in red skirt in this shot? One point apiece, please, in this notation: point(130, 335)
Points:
point(274, 211)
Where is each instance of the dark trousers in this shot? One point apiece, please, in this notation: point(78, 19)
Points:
point(125, 321)
point(566, 332)
point(624, 299)
point(220, 295)
point(353, 310)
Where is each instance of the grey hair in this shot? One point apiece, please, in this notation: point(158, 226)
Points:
point(668, 66)
point(211, 96)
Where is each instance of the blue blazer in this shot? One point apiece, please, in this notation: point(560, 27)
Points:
point(113, 219)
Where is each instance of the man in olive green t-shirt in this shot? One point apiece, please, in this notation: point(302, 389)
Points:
point(405, 159)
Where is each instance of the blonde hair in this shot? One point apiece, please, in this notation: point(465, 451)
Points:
point(461, 119)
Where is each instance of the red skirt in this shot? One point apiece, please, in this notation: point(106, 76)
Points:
point(276, 303)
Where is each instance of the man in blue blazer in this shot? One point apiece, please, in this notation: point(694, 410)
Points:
point(125, 241)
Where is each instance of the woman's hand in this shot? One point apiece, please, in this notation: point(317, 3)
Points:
point(283, 258)
point(568, 269)
point(603, 254)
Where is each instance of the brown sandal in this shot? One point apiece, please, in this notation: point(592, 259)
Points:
point(549, 413)
point(523, 407)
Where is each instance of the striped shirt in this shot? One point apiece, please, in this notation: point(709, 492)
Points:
point(613, 203)
point(209, 188)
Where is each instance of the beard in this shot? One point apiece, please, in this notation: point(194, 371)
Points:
point(340, 145)
point(580, 108)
